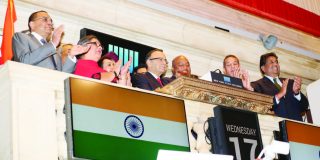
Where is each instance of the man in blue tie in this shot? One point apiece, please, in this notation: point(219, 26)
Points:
point(38, 47)
point(289, 102)
point(157, 65)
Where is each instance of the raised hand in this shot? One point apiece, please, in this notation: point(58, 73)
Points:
point(245, 80)
point(57, 34)
point(296, 85)
point(129, 80)
point(125, 68)
point(78, 49)
point(237, 73)
point(117, 66)
point(283, 89)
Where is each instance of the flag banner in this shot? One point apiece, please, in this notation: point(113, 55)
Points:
point(8, 31)
point(303, 139)
point(300, 151)
point(116, 123)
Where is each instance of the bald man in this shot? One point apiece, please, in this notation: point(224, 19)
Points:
point(180, 67)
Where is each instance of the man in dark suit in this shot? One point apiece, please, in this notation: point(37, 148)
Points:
point(37, 48)
point(289, 102)
point(157, 65)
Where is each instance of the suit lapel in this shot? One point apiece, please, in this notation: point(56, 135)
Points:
point(35, 41)
point(153, 81)
point(270, 85)
point(53, 56)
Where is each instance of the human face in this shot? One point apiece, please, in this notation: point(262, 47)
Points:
point(108, 65)
point(142, 70)
point(181, 67)
point(42, 24)
point(157, 63)
point(272, 67)
point(95, 50)
point(231, 65)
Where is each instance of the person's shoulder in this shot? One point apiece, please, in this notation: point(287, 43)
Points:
point(258, 81)
point(167, 79)
point(140, 76)
point(20, 35)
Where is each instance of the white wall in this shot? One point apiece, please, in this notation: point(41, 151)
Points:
point(204, 46)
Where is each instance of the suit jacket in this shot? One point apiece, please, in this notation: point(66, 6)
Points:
point(288, 106)
point(27, 49)
point(147, 81)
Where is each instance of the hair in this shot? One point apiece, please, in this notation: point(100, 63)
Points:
point(142, 65)
point(109, 56)
point(150, 53)
point(264, 57)
point(33, 16)
point(176, 58)
point(83, 41)
point(228, 56)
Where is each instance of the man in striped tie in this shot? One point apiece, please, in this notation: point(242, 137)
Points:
point(157, 65)
point(289, 102)
point(38, 47)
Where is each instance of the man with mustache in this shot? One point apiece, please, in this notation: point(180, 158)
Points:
point(180, 67)
point(38, 48)
point(289, 102)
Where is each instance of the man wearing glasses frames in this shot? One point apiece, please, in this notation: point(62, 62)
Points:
point(38, 48)
point(157, 65)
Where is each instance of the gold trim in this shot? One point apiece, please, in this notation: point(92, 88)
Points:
point(218, 94)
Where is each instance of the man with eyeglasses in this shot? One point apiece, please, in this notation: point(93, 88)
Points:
point(157, 65)
point(288, 101)
point(38, 47)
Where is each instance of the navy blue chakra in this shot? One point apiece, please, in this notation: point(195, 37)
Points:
point(134, 126)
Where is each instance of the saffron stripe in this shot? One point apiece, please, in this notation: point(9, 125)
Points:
point(108, 122)
point(104, 96)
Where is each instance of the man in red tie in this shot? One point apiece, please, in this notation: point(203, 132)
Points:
point(157, 65)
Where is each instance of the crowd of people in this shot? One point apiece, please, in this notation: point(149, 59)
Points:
point(39, 47)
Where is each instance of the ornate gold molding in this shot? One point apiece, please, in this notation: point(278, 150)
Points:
point(219, 94)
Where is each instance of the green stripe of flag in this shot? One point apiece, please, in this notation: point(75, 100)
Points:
point(97, 146)
point(108, 122)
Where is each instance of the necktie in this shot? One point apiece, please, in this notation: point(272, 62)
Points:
point(43, 41)
point(276, 83)
point(159, 81)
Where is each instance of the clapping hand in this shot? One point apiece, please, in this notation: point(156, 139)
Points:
point(283, 89)
point(78, 49)
point(57, 34)
point(296, 85)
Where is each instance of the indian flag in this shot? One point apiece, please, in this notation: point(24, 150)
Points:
point(304, 140)
point(125, 124)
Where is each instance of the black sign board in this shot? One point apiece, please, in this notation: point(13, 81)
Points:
point(235, 132)
point(227, 80)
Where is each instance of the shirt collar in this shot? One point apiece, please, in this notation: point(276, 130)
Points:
point(155, 76)
point(37, 36)
point(271, 78)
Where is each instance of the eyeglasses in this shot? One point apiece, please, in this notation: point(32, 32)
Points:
point(95, 43)
point(44, 19)
point(160, 59)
